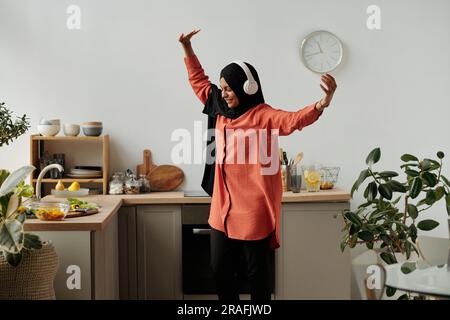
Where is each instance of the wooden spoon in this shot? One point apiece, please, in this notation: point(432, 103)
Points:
point(298, 158)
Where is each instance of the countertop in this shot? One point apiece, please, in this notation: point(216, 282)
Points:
point(110, 205)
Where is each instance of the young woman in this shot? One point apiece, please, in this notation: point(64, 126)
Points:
point(246, 196)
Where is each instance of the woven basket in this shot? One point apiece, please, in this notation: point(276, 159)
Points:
point(33, 278)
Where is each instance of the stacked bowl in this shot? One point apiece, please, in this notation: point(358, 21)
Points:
point(92, 129)
point(49, 128)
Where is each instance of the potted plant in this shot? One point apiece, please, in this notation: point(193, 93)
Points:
point(9, 129)
point(388, 219)
point(27, 265)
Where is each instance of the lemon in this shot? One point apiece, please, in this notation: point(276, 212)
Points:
point(75, 186)
point(59, 186)
point(312, 177)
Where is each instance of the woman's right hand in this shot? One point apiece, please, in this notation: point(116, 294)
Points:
point(186, 39)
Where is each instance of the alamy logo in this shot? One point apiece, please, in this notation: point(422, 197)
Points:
point(251, 146)
point(374, 20)
point(374, 279)
point(74, 18)
point(74, 280)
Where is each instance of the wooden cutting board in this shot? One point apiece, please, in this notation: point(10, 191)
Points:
point(87, 212)
point(164, 177)
point(146, 167)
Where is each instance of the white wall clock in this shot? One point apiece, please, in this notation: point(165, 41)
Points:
point(321, 51)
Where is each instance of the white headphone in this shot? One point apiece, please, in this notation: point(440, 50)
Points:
point(250, 86)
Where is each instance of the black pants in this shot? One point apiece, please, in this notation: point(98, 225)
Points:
point(225, 254)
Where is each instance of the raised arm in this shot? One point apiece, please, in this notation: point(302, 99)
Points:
point(287, 121)
point(199, 81)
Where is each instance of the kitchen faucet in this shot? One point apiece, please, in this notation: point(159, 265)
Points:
point(42, 174)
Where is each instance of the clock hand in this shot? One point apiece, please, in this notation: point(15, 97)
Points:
point(312, 54)
point(320, 49)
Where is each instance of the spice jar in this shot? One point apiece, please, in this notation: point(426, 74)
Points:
point(116, 184)
point(132, 184)
point(144, 184)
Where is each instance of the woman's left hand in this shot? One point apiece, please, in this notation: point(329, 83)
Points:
point(329, 89)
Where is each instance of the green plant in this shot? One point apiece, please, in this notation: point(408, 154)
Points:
point(9, 129)
point(13, 239)
point(389, 223)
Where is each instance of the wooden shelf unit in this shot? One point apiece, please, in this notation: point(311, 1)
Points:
point(37, 145)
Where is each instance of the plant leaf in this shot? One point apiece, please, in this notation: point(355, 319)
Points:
point(385, 190)
point(371, 191)
point(386, 238)
point(408, 267)
point(416, 187)
point(412, 173)
point(408, 157)
point(390, 291)
point(388, 257)
point(11, 236)
point(425, 164)
point(13, 205)
point(362, 176)
point(373, 157)
point(353, 218)
point(388, 174)
point(430, 197)
point(14, 179)
point(13, 259)
point(447, 203)
point(439, 192)
point(412, 232)
point(440, 154)
point(412, 211)
point(429, 178)
point(31, 241)
point(397, 186)
point(365, 235)
point(427, 225)
point(403, 297)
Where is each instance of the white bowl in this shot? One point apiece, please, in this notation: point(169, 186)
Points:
point(55, 121)
point(48, 130)
point(44, 121)
point(71, 129)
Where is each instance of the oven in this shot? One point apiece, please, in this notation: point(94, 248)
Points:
point(197, 273)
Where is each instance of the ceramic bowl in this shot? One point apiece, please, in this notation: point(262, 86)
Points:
point(55, 121)
point(71, 129)
point(44, 121)
point(48, 130)
point(91, 131)
point(92, 124)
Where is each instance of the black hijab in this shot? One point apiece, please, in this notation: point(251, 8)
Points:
point(215, 104)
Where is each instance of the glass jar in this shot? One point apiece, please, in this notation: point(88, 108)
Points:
point(295, 178)
point(132, 184)
point(312, 177)
point(144, 184)
point(116, 184)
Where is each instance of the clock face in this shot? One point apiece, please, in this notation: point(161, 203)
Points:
point(321, 51)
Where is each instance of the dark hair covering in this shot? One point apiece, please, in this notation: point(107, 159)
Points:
point(215, 104)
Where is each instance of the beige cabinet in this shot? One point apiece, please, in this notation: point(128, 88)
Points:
point(127, 253)
point(158, 250)
point(309, 264)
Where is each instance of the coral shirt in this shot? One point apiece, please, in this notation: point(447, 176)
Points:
point(247, 193)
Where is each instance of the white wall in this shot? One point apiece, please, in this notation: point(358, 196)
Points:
point(125, 67)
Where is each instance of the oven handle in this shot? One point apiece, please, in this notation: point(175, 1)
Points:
point(201, 231)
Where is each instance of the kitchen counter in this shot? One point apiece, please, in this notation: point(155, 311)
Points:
point(110, 205)
point(143, 235)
